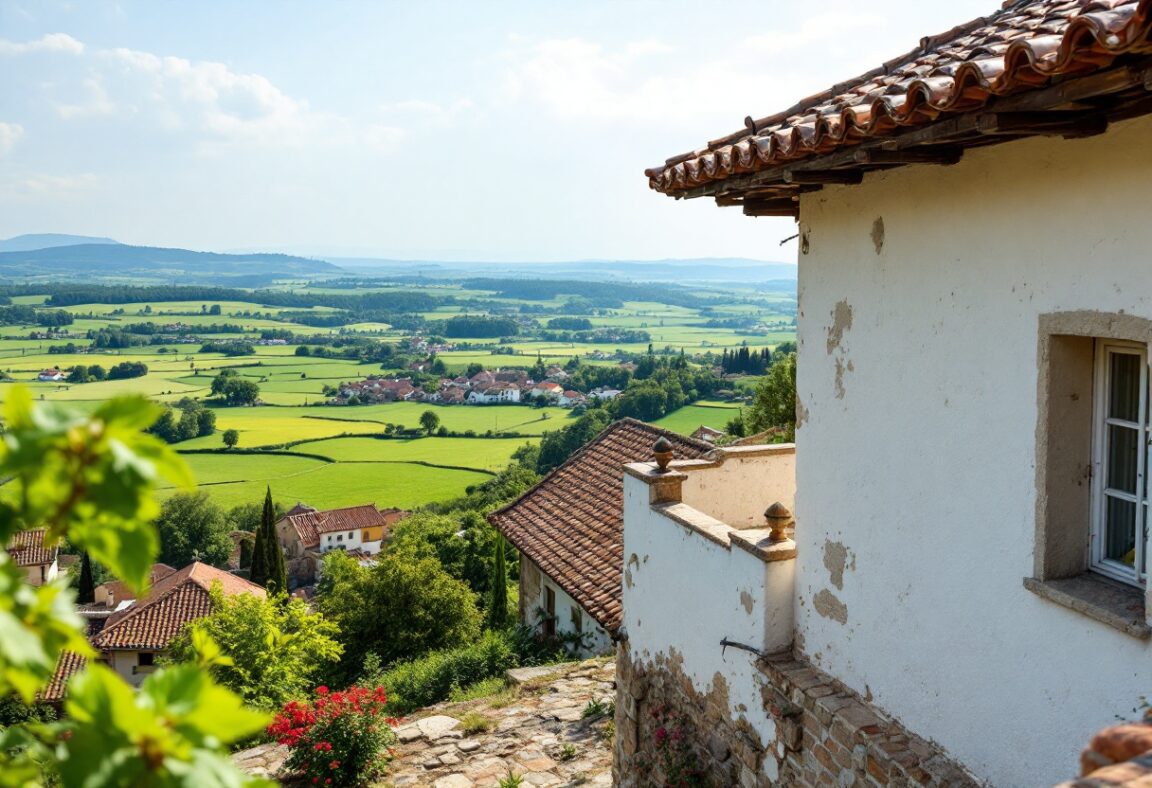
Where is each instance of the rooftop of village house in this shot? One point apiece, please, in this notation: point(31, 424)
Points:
point(1035, 67)
point(571, 523)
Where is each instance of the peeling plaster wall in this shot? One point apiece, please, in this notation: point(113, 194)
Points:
point(684, 593)
point(920, 297)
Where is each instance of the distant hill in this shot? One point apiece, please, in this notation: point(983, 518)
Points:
point(114, 261)
point(736, 269)
point(33, 241)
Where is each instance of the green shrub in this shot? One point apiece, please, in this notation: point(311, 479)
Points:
point(431, 679)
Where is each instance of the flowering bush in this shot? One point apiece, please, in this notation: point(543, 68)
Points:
point(337, 738)
point(674, 748)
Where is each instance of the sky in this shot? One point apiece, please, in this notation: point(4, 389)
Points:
point(469, 130)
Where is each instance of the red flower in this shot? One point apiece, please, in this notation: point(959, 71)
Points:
point(321, 690)
point(334, 765)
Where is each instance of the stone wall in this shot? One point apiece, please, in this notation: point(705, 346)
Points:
point(825, 734)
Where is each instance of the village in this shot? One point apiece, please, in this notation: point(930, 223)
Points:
point(498, 387)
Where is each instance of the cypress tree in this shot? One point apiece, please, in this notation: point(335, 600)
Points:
point(258, 572)
point(498, 604)
point(245, 553)
point(86, 592)
point(277, 572)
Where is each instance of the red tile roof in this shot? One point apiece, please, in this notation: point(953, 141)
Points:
point(119, 592)
point(572, 523)
point(69, 664)
point(1025, 46)
point(309, 525)
point(152, 622)
point(27, 549)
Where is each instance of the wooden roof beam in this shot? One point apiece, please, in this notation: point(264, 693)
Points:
point(941, 155)
point(823, 176)
point(1057, 123)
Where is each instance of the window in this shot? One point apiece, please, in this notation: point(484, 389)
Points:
point(577, 620)
point(549, 623)
point(145, 659)
point(340, 538)
point(350, 533)
point(1092, 447)
point(1120, 448)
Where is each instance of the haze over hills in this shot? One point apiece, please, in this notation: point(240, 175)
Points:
point(115, 261)
point(55, 256)
point(734, 269)
point(32, 241)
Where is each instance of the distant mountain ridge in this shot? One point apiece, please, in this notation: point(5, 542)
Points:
point(93, 261)
point(30, 242)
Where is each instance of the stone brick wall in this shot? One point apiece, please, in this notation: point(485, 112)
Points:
point(824, 734)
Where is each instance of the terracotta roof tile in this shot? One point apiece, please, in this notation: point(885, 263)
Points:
point(69, 664)
point(179, 598)
point(27, 548)
point(119, 592)
point(571, 523)
point(1018, 48)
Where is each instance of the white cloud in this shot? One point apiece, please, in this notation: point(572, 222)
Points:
point(9, 134)
point(95, 102)
point(52, 42)
point(649, 80)
point(51, 187)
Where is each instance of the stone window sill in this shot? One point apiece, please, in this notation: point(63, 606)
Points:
point(1118, 605)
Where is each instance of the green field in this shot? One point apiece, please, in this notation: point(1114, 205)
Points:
point(707, 414)
point(360, 467)
point(242, 478)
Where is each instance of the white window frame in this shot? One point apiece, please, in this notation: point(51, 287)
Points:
point(1116, 570)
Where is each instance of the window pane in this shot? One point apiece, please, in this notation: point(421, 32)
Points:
point(1124, 387)
point(1120, 531)
point(1123, 443)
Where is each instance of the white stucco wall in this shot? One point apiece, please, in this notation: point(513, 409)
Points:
point(596, 641)
point(918, 452)
point(125, 662)
point(748, 481)
point(685, 593)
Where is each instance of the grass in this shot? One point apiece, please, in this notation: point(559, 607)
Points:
point(704, 413)
point(493, 690)
point(474, 722)
point(233, 479)
point(480, 453)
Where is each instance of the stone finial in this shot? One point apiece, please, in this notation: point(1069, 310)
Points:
point(778, 518)
point(663, 453)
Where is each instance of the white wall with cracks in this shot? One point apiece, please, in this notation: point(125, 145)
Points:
point(921, 294)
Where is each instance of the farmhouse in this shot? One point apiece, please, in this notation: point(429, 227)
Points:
point(306, 533)
point(38, 562)
point(134, 635)
point(963, 596)
point(53, 375)
point(568, 529)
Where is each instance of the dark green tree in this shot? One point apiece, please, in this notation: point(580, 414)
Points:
point(86, 590)
point(498, 604)
point(245, 553)
point(276, 578)
point(259, 570)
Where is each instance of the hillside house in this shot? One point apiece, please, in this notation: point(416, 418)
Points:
point(569, 531)
point(40, 563)
point(306, 533)
point(53, 375)
point(571, 399)
point(494, 394)
point(135, 635)
point(963, 597)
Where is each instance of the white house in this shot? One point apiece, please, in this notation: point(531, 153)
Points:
point(53, 375)
point(963, 598)
point(494, 394)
